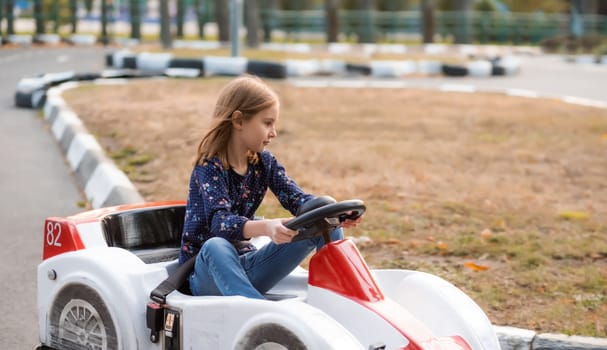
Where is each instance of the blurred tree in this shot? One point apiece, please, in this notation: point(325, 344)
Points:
point(428, 21)
point(332, 20)
point(267, 8)
point(165, 25)
point(88, 5)
point(135, 15)
point(537, 5)
point(393, 5)
point(10, 19)
point(202, 13)
point(222, 17)
point(39, 17)
point(180, 17)
point(484, 6)
point(104, 20)
point(252, 22)
point(74, 16)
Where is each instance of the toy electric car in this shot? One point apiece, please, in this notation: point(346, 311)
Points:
point(109, 279)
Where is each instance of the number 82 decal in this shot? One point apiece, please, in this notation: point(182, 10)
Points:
point(53, 233)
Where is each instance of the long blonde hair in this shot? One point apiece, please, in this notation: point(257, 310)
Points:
point(247, 94)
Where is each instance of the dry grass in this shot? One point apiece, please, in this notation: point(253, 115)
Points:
point(515, 186)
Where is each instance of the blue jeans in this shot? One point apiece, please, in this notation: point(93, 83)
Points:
point(219, 270)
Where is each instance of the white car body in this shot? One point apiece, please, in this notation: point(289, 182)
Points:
point(378, 309)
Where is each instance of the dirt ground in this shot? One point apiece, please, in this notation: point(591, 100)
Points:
point(503, 196)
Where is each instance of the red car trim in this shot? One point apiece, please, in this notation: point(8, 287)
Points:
point(340, 268)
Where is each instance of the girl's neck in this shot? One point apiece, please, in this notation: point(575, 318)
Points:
point(238, 159)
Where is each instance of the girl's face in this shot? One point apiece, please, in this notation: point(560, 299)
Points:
point(259, 131)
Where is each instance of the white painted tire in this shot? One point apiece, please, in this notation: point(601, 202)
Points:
point(224, 66)
point(392, 69)
point(479, 68)
point(302, 68)
point(153, 63)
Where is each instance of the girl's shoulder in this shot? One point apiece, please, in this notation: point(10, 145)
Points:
point(267, 159)
point(210, 165)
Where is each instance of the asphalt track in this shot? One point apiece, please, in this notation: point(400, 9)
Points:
point(36, 182)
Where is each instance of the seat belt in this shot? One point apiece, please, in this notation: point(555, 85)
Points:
point(173, 282)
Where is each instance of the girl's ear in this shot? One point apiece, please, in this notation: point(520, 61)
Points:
point(237, 120)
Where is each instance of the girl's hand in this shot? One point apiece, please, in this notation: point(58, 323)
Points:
point(351, 223)
point(278, 232)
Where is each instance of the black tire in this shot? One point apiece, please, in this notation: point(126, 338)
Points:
point(129, 62)
point(267, 69)
point(23, 99)
point(86, 76)
point(79, 319)
point(109, 59)
point(498, 70)
point(358, 69)
point(270, 336)
point(454, 71)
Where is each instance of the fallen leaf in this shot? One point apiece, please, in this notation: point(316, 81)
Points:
point(476, 267)
point(442, 245)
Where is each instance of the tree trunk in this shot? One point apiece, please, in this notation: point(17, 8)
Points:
point(201, 11)
point(253, 23)
point(428, 21)
point(332, 20)
point(38, 17)
point(180, 18)
point(74, 16)
point(10, 19)
point(222, 17)
point(165, 25)
point(135, 14)
point(104, 12)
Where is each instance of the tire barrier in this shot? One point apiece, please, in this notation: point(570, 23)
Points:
point(31, 91)
point(158, 63)
point(103, 183)
point(224, 66)
point(153, 63)
point(51, 39)
point(358, 69)
point(454, 71)
point(267, 69)
point(392, 69)
point(82, 39)
point(479, 68)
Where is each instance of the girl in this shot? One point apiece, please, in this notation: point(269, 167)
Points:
point(231, 175)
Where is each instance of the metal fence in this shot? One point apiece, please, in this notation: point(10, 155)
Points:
point(474, 27)
point(481, 27)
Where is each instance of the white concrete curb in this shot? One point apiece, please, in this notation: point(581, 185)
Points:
point(104, 184)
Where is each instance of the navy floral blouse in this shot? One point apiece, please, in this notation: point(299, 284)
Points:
point(220, 200)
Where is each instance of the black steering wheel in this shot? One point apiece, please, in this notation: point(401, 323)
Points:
point(321, 215)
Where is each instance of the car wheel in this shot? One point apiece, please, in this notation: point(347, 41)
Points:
point(270, 336)
point(80, 320)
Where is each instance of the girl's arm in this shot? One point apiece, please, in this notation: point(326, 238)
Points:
point(273, 228)
point(289, 194)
